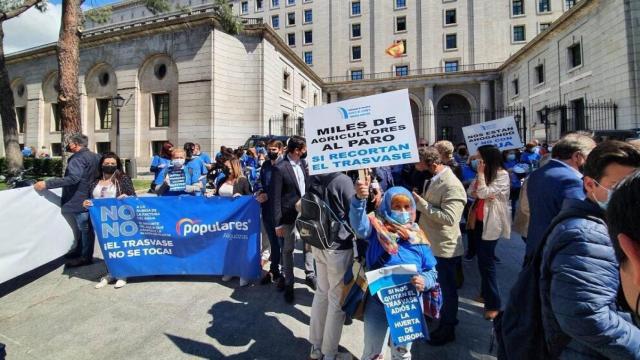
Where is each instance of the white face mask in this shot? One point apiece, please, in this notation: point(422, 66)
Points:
point(177, 163)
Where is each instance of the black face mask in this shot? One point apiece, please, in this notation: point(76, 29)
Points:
point(273, 155)
point(109, 169)
point(462, 152)
point(303, 156)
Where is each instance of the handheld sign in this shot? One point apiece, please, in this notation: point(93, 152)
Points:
point(177, 180)
point(361, 133)
point(401, 301)
point(502, 133)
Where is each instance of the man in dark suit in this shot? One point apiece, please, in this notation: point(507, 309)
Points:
point(288, 184)
point(560, 179)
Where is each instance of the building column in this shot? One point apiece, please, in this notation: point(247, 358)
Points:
point(334, 96)
point(429, 122)
point(485, 99)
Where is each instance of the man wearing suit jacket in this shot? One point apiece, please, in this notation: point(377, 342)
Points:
point(288, 184)
point(441, 206)
point(560, 179)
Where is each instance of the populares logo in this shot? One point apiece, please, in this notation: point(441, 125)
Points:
point(186, 226)
point(344, 113)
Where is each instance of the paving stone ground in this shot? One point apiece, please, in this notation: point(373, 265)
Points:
point(61, 316)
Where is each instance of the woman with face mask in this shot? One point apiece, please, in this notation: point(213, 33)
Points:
point(178, 179)
point(112, 182)
point(233, 184)
point(489, 221)
point(394, 238)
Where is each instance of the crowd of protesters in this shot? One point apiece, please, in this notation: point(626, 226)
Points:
point(421, 214)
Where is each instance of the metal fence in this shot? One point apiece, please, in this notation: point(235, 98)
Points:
point(580, 115)
point(286, 126)
point(449, 69)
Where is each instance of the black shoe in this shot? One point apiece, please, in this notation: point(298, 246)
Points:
point(311, 282)
point(266, 279)
point(280, 284)
point(442, 336)
point(79, 262)
point(72, 255)
point(288, 294)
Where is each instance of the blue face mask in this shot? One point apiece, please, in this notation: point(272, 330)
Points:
point(603, 204)
point(511, 157)
point(474, 164)
point(401, 217)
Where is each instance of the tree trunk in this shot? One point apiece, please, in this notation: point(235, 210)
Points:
point(8, 114)
point(68, 52)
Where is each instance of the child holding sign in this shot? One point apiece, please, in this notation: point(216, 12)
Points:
point(178, 179)
point(394, 239)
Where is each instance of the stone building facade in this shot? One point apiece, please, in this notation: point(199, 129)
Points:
point(182, 78)
point(582, 73)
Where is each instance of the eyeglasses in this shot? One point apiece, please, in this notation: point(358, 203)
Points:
point(423, 144)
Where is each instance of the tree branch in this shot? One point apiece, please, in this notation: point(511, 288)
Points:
point(6, 15)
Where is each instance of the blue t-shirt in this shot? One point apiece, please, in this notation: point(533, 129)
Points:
point(26, 152)
point(509, 164)
point(205, 158)
point(191, 177)
point(157, 164)
point(418, 254)
point(530, 158)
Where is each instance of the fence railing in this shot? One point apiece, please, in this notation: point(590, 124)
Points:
point(286, 126)
point(449, 69)
point(580, 115)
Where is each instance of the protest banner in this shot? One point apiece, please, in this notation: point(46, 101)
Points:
point(401, 301)
point(361, 133)
point(502, 133)
point(34, 232)
point(179, 235)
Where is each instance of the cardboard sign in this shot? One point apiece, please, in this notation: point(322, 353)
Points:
point(177, 180)
point(502, 133)
point(361, 133)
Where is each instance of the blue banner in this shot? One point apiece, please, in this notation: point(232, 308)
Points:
point(179, 235)
point(404, 313)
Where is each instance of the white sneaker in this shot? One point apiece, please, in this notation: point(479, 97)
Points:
point(244, 282)
point(315, 354)
point(103, 282)
point(227, 278)
point(120, 283)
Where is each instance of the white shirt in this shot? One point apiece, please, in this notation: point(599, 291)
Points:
point(226, 189)
point(103, 192)
point(297, 169)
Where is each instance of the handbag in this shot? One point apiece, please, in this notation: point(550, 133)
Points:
point(471, 216)
point(355, 291)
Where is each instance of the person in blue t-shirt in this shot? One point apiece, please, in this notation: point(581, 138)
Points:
point(168, 181)
point(529, 156)
point(194, 161)
point(26, 152)
point(206, 159)
point(159, 162)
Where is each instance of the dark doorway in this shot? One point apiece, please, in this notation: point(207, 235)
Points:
point(453, 112)
point(415, 113)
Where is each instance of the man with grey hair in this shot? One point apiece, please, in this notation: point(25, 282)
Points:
point(550, 185)
point(441, 205)
point(82, 169)
point(445, 148)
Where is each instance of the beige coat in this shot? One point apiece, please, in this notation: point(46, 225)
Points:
point(497, 207)
point(441, 208)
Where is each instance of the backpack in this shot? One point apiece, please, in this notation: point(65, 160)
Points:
point(317, 225)
point(518, 328)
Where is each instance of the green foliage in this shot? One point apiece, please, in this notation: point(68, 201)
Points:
point(185, 9)
point(230, 23)
point(157, 6)
point(99, 15)
point(41, 167)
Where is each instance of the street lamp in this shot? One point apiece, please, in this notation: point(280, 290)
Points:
point(518, 117)
point(118, 102)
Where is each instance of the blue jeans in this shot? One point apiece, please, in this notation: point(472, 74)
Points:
point(85, 235)
point(376, 334)
point(447, 270)
point(270, 229)
point(487, 266)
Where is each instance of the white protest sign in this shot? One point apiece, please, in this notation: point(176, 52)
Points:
point(502, 133)
point(361, 133)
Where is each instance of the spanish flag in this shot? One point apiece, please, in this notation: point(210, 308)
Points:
point(396, 50)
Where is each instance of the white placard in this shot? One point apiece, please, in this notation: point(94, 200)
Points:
point(33, 231)
point(502, 133)
point(361, 133)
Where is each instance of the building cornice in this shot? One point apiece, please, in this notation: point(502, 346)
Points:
point(549, 32)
